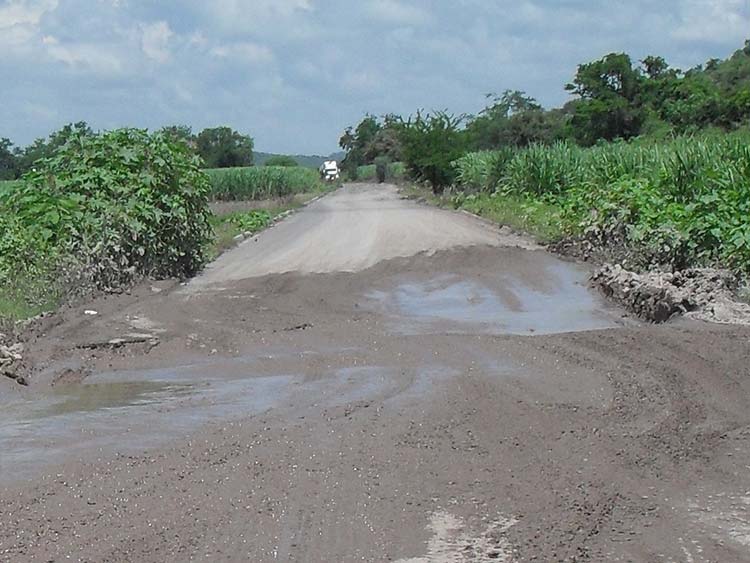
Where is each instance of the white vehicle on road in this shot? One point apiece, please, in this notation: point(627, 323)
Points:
point(329, 171)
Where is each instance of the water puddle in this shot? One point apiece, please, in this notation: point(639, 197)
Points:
point(121, 415)
point(119, 411)
point(500, 304)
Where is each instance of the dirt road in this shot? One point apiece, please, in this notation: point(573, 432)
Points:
point(363, 400)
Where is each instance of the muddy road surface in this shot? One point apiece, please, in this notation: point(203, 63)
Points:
point(374, 380)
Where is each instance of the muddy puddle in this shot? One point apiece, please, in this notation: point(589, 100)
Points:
point(118, 412)
point(558, 301)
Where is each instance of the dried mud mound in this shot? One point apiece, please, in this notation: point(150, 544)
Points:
point(701, 293)
point(10, 355)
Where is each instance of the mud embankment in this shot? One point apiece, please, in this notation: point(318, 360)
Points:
point(702, 293)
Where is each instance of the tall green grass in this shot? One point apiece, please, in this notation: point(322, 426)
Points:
point(267, 182)
point(684, 202)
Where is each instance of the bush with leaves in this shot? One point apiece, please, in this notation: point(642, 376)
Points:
point(430, 144)
point(124, 203)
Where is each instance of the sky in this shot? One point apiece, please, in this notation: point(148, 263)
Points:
point(294, 73)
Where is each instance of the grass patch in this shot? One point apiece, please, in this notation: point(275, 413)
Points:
point(540, 219)
point(15, 307)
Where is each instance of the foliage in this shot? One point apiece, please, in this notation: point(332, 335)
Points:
point(680, 202)
point(430, 144)
point(609, 91)
point(230, 184)
point(514, 119)
point(43, 148)
point(252, 221)
point(371, 138)
point(281, 160)
point(123, 203)
point(222, 147)
point(181, 134)
point(542, 219)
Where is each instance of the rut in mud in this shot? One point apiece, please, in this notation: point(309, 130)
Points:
point(432, 402)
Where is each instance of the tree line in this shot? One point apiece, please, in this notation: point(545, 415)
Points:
point(219, 147)
point(613, 98)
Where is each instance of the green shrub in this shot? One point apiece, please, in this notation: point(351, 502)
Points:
point(251, 221)
point(232, 184)
point(430, 145)
point(124, 203)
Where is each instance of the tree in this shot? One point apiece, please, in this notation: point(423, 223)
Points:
point(8, 163)
point(180, 133)
point(610, 107)
point(655, 67)
point(355, 142)
point(281, 160)
point(431, 143)
point(222, 147)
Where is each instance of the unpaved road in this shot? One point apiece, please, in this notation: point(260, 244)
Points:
point(371, 402)
point(350, 232)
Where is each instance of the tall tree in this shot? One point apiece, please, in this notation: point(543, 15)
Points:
point(610, 107)
point(222, 147)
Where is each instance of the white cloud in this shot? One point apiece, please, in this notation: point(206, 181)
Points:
point(24, 12)
point(315, 66)
point(396, 12)
point(245, 52)
point(155, 41)
point(84, 56)
point(714, 20)
point(256, 15)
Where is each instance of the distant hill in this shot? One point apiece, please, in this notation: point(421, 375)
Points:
point(308, 161)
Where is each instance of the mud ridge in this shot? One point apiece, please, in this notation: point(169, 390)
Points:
point(702, 293)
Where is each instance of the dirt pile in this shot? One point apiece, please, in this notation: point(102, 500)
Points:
point(701, 293)
point(10, 356)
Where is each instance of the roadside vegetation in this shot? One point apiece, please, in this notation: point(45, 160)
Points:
point(265, 182)
point(104, 210)
point(100, 211)
point(645, 158)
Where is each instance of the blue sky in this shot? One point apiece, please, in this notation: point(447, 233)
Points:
point(294, 73)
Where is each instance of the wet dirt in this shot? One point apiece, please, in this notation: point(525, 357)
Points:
point(563, 303)
point(404, 412)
